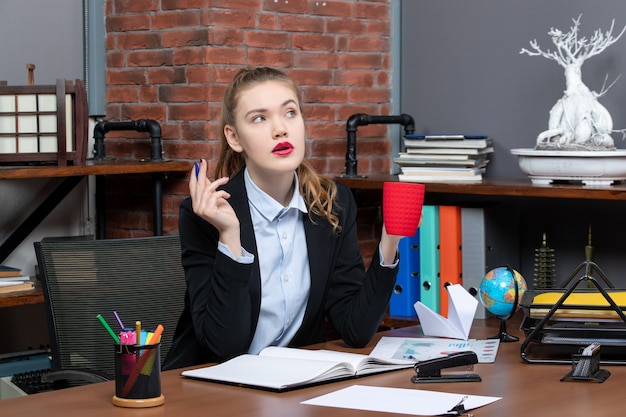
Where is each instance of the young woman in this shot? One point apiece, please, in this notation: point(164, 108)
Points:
point(270, 247)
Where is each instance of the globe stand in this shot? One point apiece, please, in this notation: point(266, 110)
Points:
point(502, 334)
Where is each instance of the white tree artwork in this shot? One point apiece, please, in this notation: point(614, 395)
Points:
point(577, 121)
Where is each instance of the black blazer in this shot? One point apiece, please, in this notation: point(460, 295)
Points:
point(223, 297)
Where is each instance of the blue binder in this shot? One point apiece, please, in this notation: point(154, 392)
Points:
point(429, 257)
point(406, 292)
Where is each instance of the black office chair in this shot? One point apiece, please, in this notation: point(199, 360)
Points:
point(139, 278)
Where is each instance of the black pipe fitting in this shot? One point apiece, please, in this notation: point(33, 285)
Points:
point(152, 127)
point(361, 119)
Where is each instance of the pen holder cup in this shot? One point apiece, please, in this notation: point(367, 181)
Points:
point(586, 368)
point(138, 376)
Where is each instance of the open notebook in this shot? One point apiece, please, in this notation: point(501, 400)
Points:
point(281, 369)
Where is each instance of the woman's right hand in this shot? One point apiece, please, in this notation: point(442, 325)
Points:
point(212, 205)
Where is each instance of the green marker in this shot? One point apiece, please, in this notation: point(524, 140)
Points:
point(108, 328)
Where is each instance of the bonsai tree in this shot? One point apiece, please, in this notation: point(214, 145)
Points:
point(577, 121)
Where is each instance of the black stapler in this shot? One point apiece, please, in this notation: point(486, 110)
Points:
point(430, 370)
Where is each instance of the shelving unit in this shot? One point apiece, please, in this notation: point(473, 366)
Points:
point(515, 212)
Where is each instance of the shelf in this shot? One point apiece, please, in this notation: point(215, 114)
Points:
point(500, 188)
point(34, 296)
point(105, 167)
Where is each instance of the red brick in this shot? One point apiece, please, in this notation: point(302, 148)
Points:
point(152, 58)
point(138, 40)
point(316, 60)
point(301, 23)
point(140, 111)
point(177, 19)
point(188, 56)
point(264, 39)
point(128, 6)
point(149, 94)
point(373, 11)
point(226, 36)
point(122, 94)
point(229, 18)
point(314, 42)
point(332, 8)
point(237, 4)
point(379, 27)
point(166, 75)
point(127, 23)
point(291, 6)
point(356, 78)
point(364, 61)
point(226, 55)
point(184, 4)
point(188, 111)
point(174, 39)
point(369, 44)
point(116, 59)
point(125, 77)
point(325, 94)
point(371, 95)
point(319, 112)
point(276, 58)
point(193, 131)
point(346, 26)
point(267, 21)
point(183, 93)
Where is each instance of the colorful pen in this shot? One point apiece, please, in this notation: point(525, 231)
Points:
point(108, 328)
point(156, 336)
point(118, 319)
point(138, 332)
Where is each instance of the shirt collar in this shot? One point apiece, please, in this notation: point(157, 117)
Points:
point(269, 208)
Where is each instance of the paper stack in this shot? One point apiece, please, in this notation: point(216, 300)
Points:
point(444, 158)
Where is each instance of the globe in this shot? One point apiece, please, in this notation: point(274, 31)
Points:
point(497, 290)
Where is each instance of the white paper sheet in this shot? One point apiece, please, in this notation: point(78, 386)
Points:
point(398, 400)
point(461, 309)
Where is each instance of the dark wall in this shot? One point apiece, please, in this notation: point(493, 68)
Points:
point(462, 71)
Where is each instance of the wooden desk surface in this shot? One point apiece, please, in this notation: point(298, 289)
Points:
point(104, 167)
point(526, 390)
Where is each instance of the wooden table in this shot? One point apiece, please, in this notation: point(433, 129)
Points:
point(526, 390)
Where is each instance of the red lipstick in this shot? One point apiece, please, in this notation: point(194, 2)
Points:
point(283, 148)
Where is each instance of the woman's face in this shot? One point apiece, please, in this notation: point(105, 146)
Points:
point(269, 129)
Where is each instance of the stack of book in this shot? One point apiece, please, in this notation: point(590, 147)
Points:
point(12, 280)
point(444, 158)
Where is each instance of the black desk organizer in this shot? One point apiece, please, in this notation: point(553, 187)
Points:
point(556, 341)
point(586, 368)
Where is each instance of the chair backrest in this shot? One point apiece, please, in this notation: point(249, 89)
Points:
point(139, 278)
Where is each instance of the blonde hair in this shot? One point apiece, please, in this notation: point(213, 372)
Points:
point(318, 191)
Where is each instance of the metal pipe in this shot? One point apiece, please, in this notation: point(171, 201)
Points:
point(361, 119)
point(144, 125)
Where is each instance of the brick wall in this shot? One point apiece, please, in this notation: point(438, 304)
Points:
point(170, 60)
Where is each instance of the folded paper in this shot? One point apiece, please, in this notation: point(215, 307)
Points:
point(461, 310)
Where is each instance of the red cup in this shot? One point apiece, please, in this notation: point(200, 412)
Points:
point(402, 207)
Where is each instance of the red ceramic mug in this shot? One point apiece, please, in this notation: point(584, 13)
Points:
point(402, 207)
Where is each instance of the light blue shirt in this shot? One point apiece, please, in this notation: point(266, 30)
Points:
point(285, 274)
